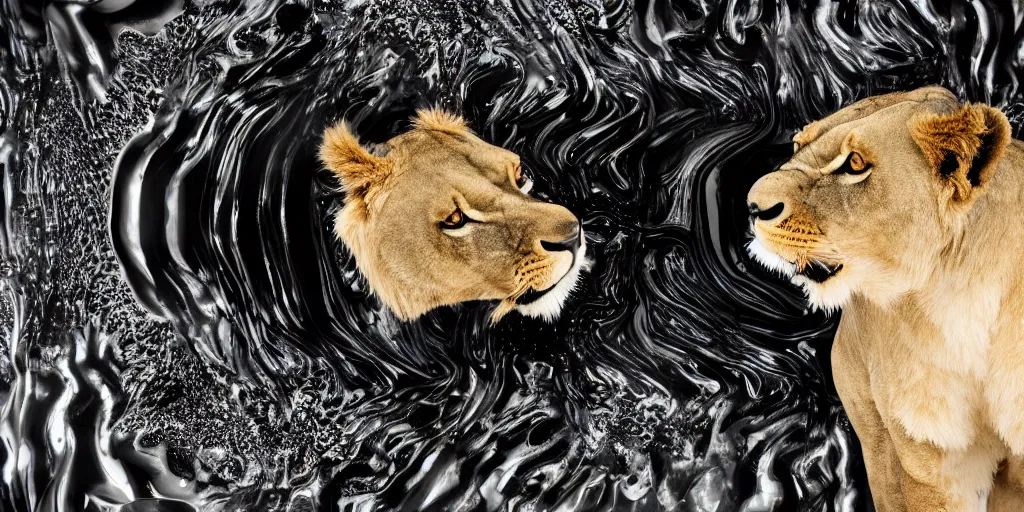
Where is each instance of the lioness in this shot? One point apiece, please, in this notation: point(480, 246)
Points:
point(436, 216)
point(905, 211)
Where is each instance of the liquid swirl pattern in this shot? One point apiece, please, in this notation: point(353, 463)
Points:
point(186, 333)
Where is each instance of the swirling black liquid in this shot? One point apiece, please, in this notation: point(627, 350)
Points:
point(185, 332)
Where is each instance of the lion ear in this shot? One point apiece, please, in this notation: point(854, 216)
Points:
point(963, 147)
point(355, 167)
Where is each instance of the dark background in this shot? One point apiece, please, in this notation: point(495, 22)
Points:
point(182, 323)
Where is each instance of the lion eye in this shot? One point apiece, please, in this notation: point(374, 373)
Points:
point(522, 181)
point(854, 164)
point(454, 221)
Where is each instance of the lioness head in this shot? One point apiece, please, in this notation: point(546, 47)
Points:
point(876, 194)
point(436, 216)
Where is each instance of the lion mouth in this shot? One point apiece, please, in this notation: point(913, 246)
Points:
point(533, 294)
point(816, 270)
point(820, 271)
point(547, 304)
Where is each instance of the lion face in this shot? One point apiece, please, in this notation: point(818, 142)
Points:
point(437, 216)
point(875, 195)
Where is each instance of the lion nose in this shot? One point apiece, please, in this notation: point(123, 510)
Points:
point(767, 197)
point(571, 244)
point(768, 214)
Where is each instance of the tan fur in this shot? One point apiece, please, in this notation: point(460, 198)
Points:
point(929, 356)
point(396, 203)
point(439, 120)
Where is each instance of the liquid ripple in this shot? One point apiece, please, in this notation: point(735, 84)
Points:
point(186, 333)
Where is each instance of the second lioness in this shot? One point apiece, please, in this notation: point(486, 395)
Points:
point(905, 210)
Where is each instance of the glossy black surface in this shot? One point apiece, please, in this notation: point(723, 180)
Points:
point(181, 322)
